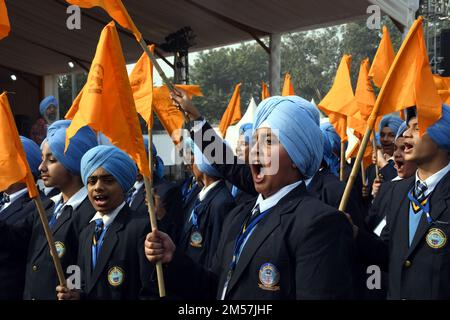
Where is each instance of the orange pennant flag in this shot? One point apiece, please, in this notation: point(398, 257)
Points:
point(115, 9)
point(107, 103)
point(364, 94)
point(288, 88)
point(384, 57)
point(340, 100)
point(443, 87)
point(5, 27)
point(265, 91)
point(141, 80)
point(367, 157)
point(410, 81)
point(168, 114)
point(13, 161)
point(233, 112)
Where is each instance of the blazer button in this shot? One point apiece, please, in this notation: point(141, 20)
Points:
point(34, 268)
point(407, 264)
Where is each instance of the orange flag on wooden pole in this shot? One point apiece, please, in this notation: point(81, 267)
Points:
point(288, 88)
point(410, 81)
point(233, 112)
point(443, 87)
point(107, 103)
point(5, 27)
point(115, 9)
point(265, 91)
point(13, 161)
point(384, 57)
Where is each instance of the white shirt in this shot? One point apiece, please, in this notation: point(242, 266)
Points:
point(108, 218)
point(13, 197)
point(74, 201)
point(202, 194)
point(270, 202)
point(434, 179)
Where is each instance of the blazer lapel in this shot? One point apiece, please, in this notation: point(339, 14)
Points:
point(16, 206)
point(139, 199)
point(109, 243)
point(264, 229)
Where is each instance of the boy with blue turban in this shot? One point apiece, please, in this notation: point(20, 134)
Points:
point(14, 207)
point(111, 252)
point(414, 243)
point(68, 213)
point(285, 244)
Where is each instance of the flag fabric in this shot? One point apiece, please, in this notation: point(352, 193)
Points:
point(384, 57)
point(364, 94)
point(168, 114)
point(115, 9)
point(443, 87)
point(5, 27)
point(288, 88)
point(265, 91)
point(340, 100)
point(106, 103)
point(233, 112)
point(141, 80)
point(13, 161)
point(409, 81)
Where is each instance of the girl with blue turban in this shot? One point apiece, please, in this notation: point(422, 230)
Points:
point(266, 244)
point(111, 247)
point(68, 212)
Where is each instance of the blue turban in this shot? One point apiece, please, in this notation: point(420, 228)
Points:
point(201, 161)
point(50, 100)
point(297, 121)
point(246, 130)
point(331, 147)
point(392, 122)
point(401, 130)
point(159, 162)
point(83, 140)
point(33, 153)
point(113, 160)
point(440, 131)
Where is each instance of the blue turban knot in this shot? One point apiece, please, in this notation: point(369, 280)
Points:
point(47, 102)
point(83, 140)
point(392, 122)
point(113, 160)
point(440, 131)
point(246, 129)
point(297, 123)
point(401, 130)
point(33, 154)
point(331, 147)
point(159, 167)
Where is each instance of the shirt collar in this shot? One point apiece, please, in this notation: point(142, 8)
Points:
point(16, 195)
point(138, 185)
point(108, 218)
point(74, 201)
point(205, 190)
point(266, 204)
point(433, 180)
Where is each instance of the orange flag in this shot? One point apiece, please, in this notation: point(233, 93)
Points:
point(141, 80)
point(443, 86)
point(364, 94)
point(340, 100)
point(115, 9)
point(265, 91)
point(5, 27)
point(107, 103)
point(233, 112)
point(410, 81)
point(168, 114)
point(384, 57)
point(13, 161)
point(288, 88)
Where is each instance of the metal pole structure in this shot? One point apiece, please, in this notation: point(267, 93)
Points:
point(275, 64)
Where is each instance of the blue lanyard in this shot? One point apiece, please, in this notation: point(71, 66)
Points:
point(425, 208)
point(97, 247)
point(194, 216)
point(57, 209)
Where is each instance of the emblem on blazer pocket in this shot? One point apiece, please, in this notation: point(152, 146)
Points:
point(436, 238)
point(269, 277)
point(115, 276)
point(196, 239)
point(60, 249)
